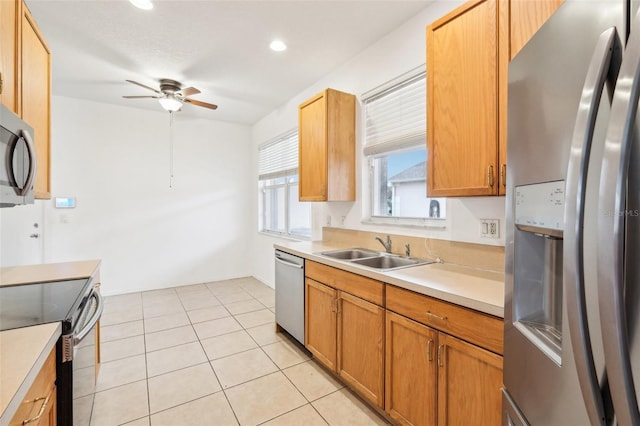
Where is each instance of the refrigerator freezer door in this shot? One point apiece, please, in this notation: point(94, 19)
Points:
point(603, 70)
point(619, 236)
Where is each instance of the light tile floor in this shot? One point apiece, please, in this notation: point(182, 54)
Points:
point(208, 354)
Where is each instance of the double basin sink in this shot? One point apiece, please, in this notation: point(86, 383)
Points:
point(374, 259)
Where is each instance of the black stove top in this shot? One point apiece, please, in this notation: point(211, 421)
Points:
point(40, 303)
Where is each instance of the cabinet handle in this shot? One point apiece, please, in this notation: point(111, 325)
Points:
point(490, 175)
point(430, 350)
point(338, 305)
point(440, 356)
point(42, 408)
point(503, 174)
point(435, 316)
point(333, 305)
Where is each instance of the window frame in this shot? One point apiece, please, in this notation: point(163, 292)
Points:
point(380, 150)
point(290, 179)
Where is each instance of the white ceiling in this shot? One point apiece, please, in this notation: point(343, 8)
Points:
point(220, 47)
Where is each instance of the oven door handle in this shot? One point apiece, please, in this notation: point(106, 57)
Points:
point(79, 336)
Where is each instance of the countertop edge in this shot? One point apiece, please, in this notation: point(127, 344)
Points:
point(392, 277)
point(44, 272)
point(12, 407)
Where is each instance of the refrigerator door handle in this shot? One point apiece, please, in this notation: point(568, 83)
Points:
point(603, 69)
point(621, 133)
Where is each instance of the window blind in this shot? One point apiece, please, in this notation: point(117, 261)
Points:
point(278, 157)
point(395, 118)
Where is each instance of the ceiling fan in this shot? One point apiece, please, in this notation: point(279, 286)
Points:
point(171, 95)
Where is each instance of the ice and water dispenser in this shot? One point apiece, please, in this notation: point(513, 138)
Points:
point(537, 283)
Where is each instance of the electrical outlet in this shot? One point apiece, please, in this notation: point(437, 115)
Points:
point(490, 228)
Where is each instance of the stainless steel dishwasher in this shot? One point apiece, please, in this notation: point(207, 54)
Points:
point(290, 294)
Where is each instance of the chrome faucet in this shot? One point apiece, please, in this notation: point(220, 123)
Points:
point(386, 245)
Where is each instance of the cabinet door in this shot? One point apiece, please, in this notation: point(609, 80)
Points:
point(321, 322)
point(9, 31)
point(527, 16)
point(39, 404)
point(361, 347)
point(410, 371)
point(312, 137)
point(36, 95)
point(469, 383)
point(462, 101)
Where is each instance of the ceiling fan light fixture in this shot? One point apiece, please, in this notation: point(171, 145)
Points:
point(170, 103)
point(278, 46)
point(142, 4)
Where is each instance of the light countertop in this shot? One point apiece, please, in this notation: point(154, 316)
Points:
point(14, 275)
point(472, 288)
point(23, 352)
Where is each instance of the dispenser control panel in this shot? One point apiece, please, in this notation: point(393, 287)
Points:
point(540, 207)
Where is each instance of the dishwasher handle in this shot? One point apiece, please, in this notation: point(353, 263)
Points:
point(287, 263)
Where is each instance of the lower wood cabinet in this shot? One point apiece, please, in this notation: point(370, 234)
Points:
point(39, 405)
point(423, 361)
point(361, 346)
point(411, 371)
point(321, 321)
point(469, 383)
point(346, 334)
point(455, 380)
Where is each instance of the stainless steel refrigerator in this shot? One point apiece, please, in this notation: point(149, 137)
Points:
point(572, 254)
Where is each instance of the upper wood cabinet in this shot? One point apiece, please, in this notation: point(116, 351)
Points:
point(526, 17)
point(35, 96)
point(468, 53)
point(25, 67)
point(463, 122)
point(326, 135)
point(9, 35)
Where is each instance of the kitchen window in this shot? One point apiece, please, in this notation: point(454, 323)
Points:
point(280, 212)
point(395, 149)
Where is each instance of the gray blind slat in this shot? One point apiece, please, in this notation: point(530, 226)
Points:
point(396, 118)
point(278, 157)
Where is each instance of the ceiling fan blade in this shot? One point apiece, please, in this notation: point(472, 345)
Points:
point(141, 97)
point(146, 87)
point(189, 91)
point(201, 104)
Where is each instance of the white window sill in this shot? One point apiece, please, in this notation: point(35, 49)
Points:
point(434, 224)
point(284, 236)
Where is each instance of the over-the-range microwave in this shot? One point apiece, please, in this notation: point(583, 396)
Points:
point(18, 165)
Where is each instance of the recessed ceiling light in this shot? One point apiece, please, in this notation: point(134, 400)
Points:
point(142, 4)
point(278, 45)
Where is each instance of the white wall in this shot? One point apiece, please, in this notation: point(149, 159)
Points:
point(115, 162)
point(397, 53)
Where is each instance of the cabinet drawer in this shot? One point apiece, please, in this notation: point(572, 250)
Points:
point(478, 328)
point(42, 392)
point(363, 287)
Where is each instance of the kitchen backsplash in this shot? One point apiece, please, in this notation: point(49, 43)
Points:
point(467, 254)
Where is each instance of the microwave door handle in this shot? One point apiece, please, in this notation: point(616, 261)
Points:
point(86, 329)
point(32, 162)
point(603, 70)
point(622, 133)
